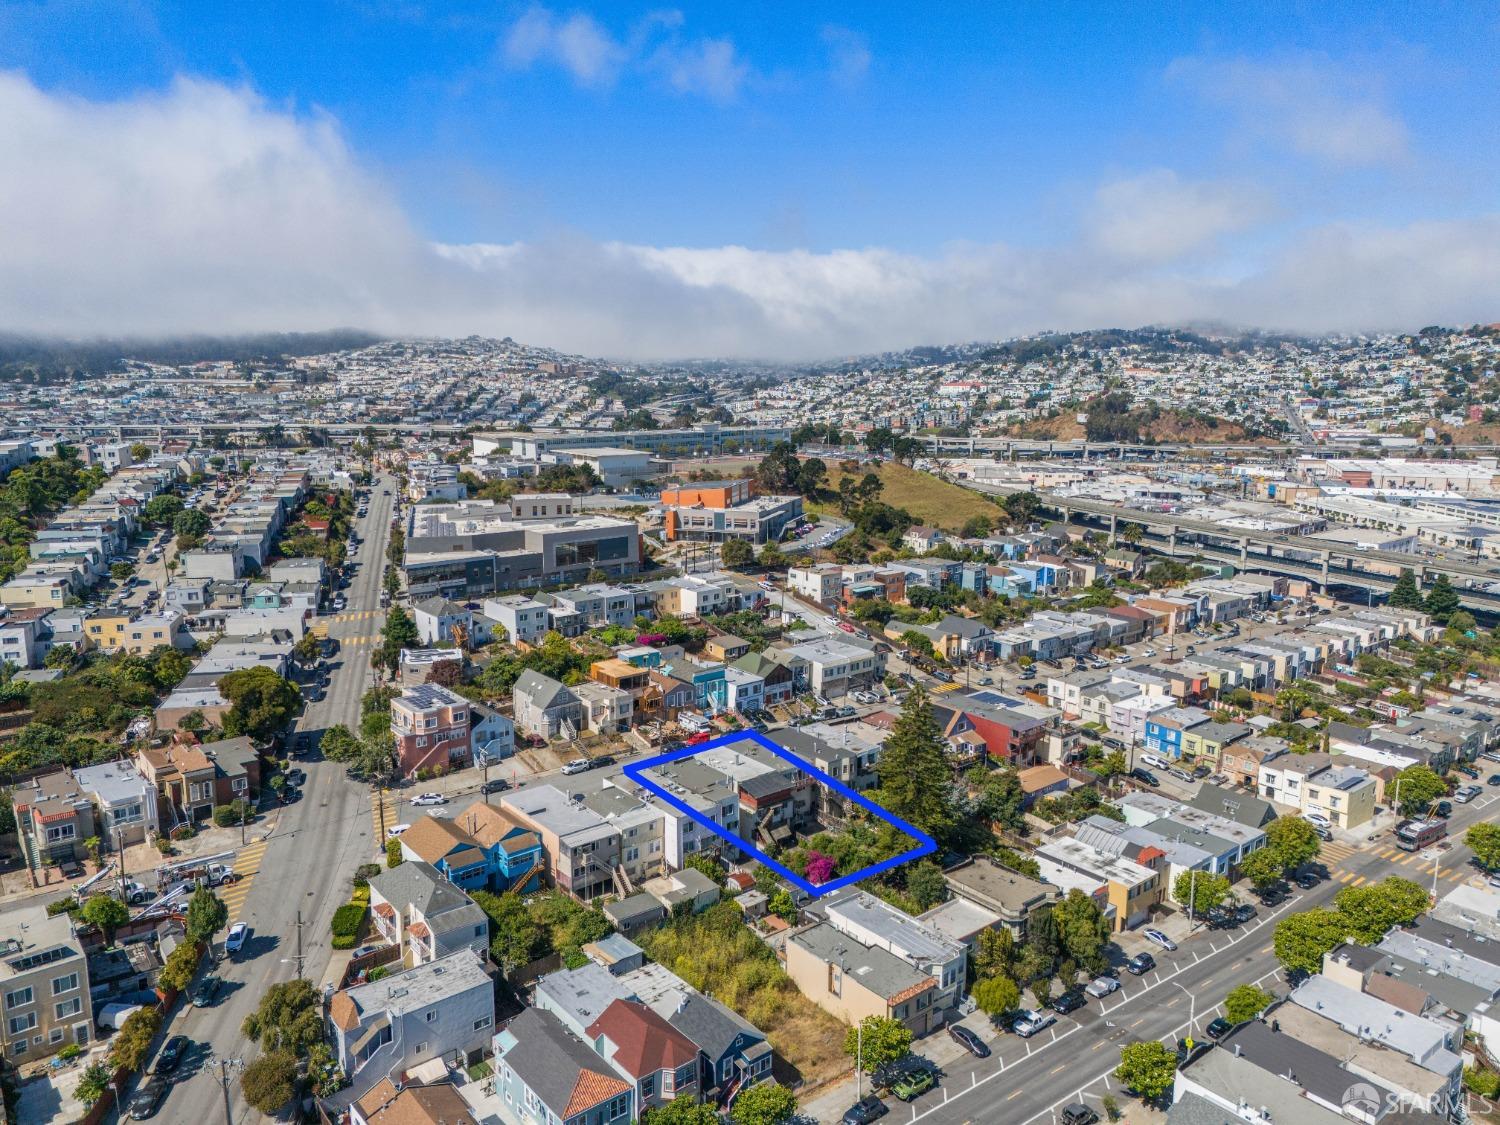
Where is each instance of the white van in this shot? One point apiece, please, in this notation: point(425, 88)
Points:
point(1155, 762)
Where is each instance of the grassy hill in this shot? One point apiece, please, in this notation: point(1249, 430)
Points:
point(932, 501)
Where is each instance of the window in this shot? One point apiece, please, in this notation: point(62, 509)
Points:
point(534, 1103)
point(56, 1035)
point(61, 832)
point(432, 1015)
point(421, 740)
point(648, 1086)
point(19, 998)
point(69, 1008)
point(19, 1024)
point(619, 1107)
point(64, 984)
point(481, 1024)
point(19, 1047)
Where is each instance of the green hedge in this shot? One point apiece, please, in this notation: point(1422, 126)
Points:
point(347, 920)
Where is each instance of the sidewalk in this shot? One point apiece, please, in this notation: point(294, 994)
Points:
point(939, 1048)
point(141, 860)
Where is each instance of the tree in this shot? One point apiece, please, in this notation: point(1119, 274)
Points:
point(997, 995)
point(269, 1082)
point(977, 527)
point(206, 915)
point(685, 1110)
point(163, 509)
point(767, 1103)
point(924, 882)
point(1484, 842)
point(1001, 799)
point(877, 1042)
point(193, 722)
point(1294, 841)
point(121, 571)
point(139, 451)
point(92, 1082)
point(1202, 889)
point(107, 912)
point(131, 1045)
point(393, 856)
point(914, 781)
point(1263, 868)
point(339, 744)
point(376, 759)
point(190, 524)
point(399, 632)
point(1405, 595)
point(1442, 600)
point(1301, 939)
point(181, 964)
point(1149, 1068)
point(308, 648)
point(1245, 1002)
point(1371, 910)
point(993, 952)
point(447, 673)
point(1082, 929)
point(772, 557)
point(1417, 787)
point(708, 865)
point(169, 667)
point(515, 936)
point(736, 554)
point(261, 702)
point(288, 1018)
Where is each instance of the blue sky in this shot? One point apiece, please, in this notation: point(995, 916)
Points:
point(749, 179)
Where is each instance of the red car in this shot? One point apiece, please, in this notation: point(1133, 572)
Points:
point(846, 627)
point(701, 737)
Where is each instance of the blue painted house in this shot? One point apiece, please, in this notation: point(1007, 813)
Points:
point(1164, 729)
point(483, 849)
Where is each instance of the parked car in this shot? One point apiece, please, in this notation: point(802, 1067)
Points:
point(239, 934)
point(495, 785)
point(1068, 1002)
point(1181, 775)
point(1159, 938)
point(915, 1082)
point(1100, 987)
point(1493, 779)
point(170, 1056)
point(1077, 1114)
point(968, 1041)
point(577, 765)
point(1218, 1028)
point(1307, 880)
point(207, 991)
point(869, 1108)
point(1468, 771)
point(1443, 809)
point(147, 1099)
point(1029, 1023)
point(429, 799)
point(1467, 793)
point(1145, 777)
point(1140, 964)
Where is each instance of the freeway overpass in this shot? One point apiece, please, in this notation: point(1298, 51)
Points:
point(1296, 555)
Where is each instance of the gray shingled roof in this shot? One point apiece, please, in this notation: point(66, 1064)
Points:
point(712, 1027)
point(548, 1058)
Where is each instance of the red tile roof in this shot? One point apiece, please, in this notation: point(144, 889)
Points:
point(591, 1089)
point(644, 1042)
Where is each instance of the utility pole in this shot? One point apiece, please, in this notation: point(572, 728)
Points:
point(299, 944)
point(227, 1068)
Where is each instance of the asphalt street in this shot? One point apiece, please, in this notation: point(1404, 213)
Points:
point(306, 864)
point(1029, 1081)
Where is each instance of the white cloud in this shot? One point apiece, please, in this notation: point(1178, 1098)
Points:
point(1309, 103)
point(849, 56)
point(710, 67)
point(580, 45)
point(204, 209)
point(576, 43)
point(1158, 216)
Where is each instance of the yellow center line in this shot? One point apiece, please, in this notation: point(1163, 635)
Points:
point(1058, 1068)
point(1012, 1095)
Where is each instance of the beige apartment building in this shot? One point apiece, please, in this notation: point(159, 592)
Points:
point(44, 986)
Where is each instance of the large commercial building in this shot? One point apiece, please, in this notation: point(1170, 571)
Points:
point(706, 440)
point(729, 509)
point(472, 548)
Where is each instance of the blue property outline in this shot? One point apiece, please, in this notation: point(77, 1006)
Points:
point(926, 845)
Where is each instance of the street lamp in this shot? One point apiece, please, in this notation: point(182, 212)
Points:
point(1192, 1005)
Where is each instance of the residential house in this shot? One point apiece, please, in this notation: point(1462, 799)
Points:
point(442, 1009)
point(44, 983)
point(544, 1074)
point(413, 906)
point(485, 848)
point(582, 848)
point(185, 779)
point(430, 724)
point(544, 708)
point(124, 801)
point(54, 819)
point(437, 1104)
point(1015, 899)
point(1129, 889)
point(653, 1056)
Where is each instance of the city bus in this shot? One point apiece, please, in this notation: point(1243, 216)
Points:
point(1414, 835)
